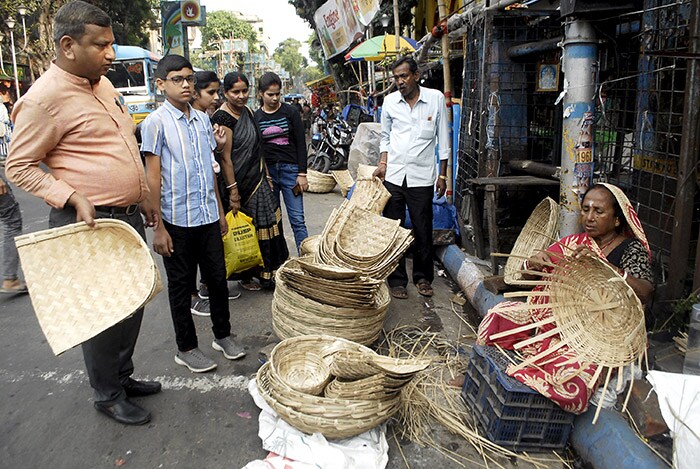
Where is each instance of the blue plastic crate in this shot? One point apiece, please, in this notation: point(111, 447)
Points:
point(512, 414)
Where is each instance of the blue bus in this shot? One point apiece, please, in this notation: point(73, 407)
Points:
point(132, 75)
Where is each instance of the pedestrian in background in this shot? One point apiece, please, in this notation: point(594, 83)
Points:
point(5, 132)
point(73, 121)
point(251, 191)
point(206, 100)
point(179, 144)
point(11, 217)
point(414, 120)
point(284, 149)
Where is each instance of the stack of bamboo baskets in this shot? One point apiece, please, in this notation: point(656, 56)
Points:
point(339, 289)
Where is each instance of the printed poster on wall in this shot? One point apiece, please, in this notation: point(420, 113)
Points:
point(365, 10)
point(336, 26)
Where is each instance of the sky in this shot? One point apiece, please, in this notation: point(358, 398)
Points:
point(279, 17)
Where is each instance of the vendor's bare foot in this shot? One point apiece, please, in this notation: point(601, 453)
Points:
point(13, 286)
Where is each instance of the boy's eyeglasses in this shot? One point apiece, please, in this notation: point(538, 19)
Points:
point(178, 79)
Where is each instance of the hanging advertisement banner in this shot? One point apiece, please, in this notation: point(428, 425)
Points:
point(336, 26)
point(171, 18)
point(365, 10)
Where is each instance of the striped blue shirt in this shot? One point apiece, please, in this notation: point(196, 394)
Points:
point(185, 147)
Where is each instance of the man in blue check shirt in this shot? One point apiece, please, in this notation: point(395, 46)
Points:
point(178, 142)
point(414, 120)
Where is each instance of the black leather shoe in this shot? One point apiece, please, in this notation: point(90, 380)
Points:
point(135, 388)
point(125, 412)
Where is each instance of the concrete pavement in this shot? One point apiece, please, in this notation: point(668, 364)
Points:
point(199, 420)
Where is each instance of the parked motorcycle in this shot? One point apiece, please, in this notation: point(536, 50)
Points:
point(330, 148)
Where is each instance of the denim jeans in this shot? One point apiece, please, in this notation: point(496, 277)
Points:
point(284, 178)
point(11, 218)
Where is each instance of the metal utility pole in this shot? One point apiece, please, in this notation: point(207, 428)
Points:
point(447, 88)
point(687, 166)
point(579, 62)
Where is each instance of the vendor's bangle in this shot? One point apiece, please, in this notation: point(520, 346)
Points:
point(269, 178)
point(624, 276)
point(301, 174)
point(232, 185)
point(381, 162)
point(444, 178)
point(526, 265)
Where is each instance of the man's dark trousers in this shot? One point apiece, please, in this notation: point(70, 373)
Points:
point(108, 355)
point(419, 201)
point(192, 246)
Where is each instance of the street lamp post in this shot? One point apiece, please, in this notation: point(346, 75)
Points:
point(10, 22)
point(22, 10)
point(2, 63)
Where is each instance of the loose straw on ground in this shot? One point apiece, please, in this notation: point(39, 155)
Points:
point(428, 400)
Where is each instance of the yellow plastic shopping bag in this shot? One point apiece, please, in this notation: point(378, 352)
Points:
point(241, 249)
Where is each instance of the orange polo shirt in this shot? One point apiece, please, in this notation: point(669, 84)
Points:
point(85, 138)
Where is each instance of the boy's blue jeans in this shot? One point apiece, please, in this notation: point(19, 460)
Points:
point(284, 178)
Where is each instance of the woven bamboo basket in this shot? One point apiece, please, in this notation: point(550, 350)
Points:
point(301, 366)
point(334, 418)
point(370, 194)
point(309, 246)
point(295, 315)
point(344, 180)
point(354, 364)
point(72, 271)
point(365, 171)
point(538, 233)
point(320, 183)
point(597, 313)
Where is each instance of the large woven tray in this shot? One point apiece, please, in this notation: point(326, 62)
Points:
point(84, 280)
point(538, 233)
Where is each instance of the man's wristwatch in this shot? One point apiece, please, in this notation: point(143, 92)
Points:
point(444, 178)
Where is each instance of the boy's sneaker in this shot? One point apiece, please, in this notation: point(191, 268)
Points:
point(231, 349)
point(195, 360)
point(200, 307)
point(203, 293)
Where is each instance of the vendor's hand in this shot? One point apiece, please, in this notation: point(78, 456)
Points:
point(539, 261)
point(219, 137)
point(380, 172)
point(440, 187)
point(303, 183)
point(223, 224)
point(162, 242)
point(582, 250)
point(84, 209)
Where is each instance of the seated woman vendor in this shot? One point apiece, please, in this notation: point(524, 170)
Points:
point(613, 232)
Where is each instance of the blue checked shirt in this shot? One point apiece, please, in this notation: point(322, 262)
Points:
point(185, 147)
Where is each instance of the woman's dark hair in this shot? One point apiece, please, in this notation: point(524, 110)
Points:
point(232, 78)
point(204, 79)
point(267, 80)
point(619, 213)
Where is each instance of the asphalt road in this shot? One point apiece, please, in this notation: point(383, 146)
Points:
point(199, 420)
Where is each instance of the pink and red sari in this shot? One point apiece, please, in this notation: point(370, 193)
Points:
point(558, 376)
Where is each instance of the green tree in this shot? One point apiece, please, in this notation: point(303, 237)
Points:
point(288, 56)
point(224, 25)
point(131, 20)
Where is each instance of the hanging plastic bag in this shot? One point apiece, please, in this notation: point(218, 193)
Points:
point(241, 249)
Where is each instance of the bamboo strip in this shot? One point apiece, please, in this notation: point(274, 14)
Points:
point(602, 397)
point(537, 338)
point(526, 327)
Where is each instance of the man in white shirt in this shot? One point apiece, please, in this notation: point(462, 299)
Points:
point(414, 120)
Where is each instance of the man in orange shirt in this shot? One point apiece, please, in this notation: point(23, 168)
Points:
point(73, 121)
